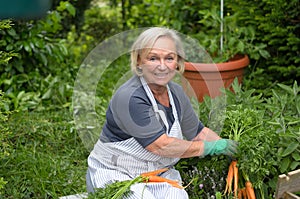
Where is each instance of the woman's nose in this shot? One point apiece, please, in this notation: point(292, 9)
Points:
point(162, 64)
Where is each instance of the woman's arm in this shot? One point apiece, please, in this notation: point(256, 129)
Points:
point(173, 147)
point(207, 135)
point(203, 144)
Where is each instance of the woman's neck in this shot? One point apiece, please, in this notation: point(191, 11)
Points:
point(160, 93)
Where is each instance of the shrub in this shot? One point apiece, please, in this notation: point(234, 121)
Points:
point(35, 52)
point(5, 146)
point(277, 25)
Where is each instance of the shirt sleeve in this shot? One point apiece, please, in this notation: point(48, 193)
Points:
point(146, 141)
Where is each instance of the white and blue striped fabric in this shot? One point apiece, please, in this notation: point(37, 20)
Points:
point(125, 160)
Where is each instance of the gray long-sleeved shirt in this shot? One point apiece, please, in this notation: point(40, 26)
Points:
point(130, 114)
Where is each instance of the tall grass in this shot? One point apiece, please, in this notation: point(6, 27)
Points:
point(47, 159)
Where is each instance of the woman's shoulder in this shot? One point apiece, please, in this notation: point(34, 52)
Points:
point(179, 93)
point(176, 88)
point(132, 82)
point(129, 86)
point(132, 88)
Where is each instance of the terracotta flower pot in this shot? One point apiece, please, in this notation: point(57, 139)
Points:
point(207, 79)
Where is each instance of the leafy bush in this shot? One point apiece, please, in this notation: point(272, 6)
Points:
point(38, 53)
point(76, 20)
point(236, 39)
point(5, 146)
point(100, 23)
point(283, 110)
point(36, 44)
point(277, 25)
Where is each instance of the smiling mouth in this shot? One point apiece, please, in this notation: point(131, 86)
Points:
point(161, 75)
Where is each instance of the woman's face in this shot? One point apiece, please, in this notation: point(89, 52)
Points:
point(160, 63)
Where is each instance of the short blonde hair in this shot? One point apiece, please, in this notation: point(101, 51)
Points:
point(146, 40)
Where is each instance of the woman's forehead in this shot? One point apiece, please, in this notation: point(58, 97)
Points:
point(163, 45)
point(160, 51)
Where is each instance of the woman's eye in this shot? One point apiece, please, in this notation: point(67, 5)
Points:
point(152, 58)
point(170, 59)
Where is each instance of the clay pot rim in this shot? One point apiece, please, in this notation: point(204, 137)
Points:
point(238, 62)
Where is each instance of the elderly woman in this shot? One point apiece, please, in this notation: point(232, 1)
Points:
point(150, 122)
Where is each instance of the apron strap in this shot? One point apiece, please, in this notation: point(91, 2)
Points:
point(154, 104)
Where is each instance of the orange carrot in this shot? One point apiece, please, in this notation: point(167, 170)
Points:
point(229, 179)
point(250, 190)
point(244, 195)
point(155, 172)
point(235, 177)
point(174, 183)
point(240, 194)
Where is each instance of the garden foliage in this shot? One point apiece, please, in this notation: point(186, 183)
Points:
point(4, 113)
point(277, 25)
point(41, 155)
point(274, 23)
point(5, 146)
point(268, 146)
point(39, 70)
point(268, 134)
point(47, 158)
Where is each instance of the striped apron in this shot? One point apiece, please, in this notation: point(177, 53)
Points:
point(125, 160)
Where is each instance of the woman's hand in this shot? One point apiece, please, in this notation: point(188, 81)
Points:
point(214, 144)
point(218, 147)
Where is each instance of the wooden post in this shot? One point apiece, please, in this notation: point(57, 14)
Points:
point(287, 184)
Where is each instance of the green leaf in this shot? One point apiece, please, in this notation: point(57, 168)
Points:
point(64, 5)
point(276, 95)
point(218, 195)
point(20, 95)
point(265, 54)
point(293, 122)
point(290, 149)
point(9, 47)
point(63, 49)
point(27, 46)
point(296, 156)
point(5, 24)
point(12, 32)
point(236, 86)
point(44, 59)
point(71, 9)
point(294, 165)
point(285, 163)
point(61, 90)
point(48, 94)
point(286, 88)
point(241, 46)
point(296, 89)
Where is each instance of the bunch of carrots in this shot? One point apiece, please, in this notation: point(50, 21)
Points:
point(152, 176)
point(246, 192)
point(146, 177)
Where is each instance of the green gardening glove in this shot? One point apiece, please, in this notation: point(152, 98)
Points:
point(218, 147)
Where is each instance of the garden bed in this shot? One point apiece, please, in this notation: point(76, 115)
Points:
point(48, 160)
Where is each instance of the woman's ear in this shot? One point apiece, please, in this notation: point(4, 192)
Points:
point(138, 62)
